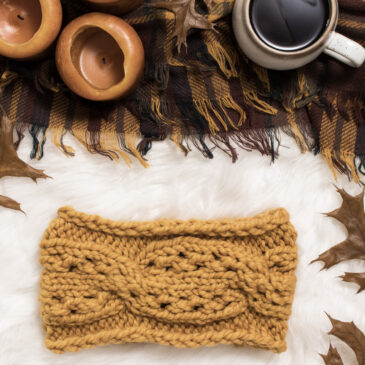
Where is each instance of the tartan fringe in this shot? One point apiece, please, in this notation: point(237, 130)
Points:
point(58, 134)
point(237, 135)
point(215, 113)
point(227, 61)
point(109, 144)
point(266, 141)
point(345, 163)
point(301, 132)
point(226, 133)
point(252, 99)
point(38, 143)
point(119, 146)
point(127, 146)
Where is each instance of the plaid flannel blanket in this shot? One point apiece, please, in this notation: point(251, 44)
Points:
point(206, 96)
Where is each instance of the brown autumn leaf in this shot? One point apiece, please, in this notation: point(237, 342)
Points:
point(349, 333)
point(332, 357)
point(9, 203)
point(358, 278)
point(352, 215)
point(186, 18)
point(10, 163)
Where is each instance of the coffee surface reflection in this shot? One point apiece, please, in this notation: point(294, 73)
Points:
point(289, 25)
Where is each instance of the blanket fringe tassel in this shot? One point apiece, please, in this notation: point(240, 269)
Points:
point(265, 140)
point(219, 117)
point(345, 163)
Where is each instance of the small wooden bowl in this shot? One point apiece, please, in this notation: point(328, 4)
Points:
point(114, 6)
point(100, 57)
point(28, 27)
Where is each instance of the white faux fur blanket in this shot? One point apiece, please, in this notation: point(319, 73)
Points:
point(178, 187)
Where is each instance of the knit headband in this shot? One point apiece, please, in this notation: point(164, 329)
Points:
point(181, 283)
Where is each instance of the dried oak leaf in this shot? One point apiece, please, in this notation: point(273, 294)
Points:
point(9, 203)
point(10, 163)
point(352, 215)
point(356, 278)
point(332, 357)
point(186, 18)
point(349, 333)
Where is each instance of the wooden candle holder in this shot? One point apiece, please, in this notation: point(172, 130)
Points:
point(28, 27)
point(100, 57)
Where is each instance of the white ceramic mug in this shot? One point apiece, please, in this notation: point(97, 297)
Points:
point(329, 42)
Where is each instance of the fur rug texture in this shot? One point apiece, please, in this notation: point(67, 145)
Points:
point(178, 187)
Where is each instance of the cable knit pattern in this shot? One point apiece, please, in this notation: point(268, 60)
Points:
point(181, 283)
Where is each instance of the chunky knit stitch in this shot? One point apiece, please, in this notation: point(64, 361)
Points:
point(181, 283)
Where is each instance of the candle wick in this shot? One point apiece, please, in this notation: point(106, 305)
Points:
point(104, 60)
point(20, 17)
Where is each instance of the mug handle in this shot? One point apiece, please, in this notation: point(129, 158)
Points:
point(345, 50)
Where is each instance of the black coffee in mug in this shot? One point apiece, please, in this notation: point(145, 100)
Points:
point(289, 25)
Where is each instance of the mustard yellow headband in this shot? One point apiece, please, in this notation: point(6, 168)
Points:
point(181, 283)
